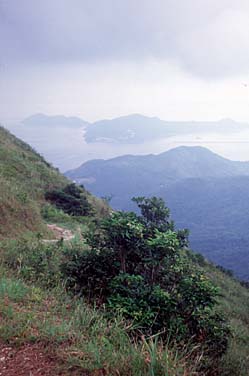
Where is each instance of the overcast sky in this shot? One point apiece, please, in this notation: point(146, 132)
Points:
point(176, 59)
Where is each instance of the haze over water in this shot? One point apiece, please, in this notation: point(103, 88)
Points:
point(66, 148)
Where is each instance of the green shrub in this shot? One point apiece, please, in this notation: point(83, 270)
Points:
point(71, 199)
point(89, 272)
point(136, 267)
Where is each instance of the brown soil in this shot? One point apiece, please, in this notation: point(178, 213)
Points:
point(27, 360)
point(34, 360)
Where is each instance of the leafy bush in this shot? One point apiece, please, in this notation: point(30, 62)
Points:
point(90, 272)
point(136, 266)
point(71, 199)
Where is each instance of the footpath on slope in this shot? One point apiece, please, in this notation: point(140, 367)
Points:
point(28, 359)
point(59, 233)
point(32, 359)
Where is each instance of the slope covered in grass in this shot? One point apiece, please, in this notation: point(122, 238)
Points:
point(25, 177)
point(80, 339)
point(234, 303)
point(36, 308)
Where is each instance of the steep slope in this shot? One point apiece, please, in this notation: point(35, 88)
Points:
point(206, 193)
point(39, 322)
point(24, 178)
point(58, 138)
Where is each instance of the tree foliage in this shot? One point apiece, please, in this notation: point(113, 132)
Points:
point(71, 199)
point(137, 266)
point(156, 216)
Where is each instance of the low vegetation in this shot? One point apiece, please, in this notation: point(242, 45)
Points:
point(25, 179)
point(136, 267)
point(82, 340)
point(123, 297)
point(51, 301)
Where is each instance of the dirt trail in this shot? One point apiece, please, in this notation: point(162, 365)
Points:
point(33, 359)
point(59, 233)
point(29, 359)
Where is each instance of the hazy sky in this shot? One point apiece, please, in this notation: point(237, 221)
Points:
point(176, 59)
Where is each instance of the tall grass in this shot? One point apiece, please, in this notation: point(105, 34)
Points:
point(80, 337)
point(36, 307)
point(234, 303)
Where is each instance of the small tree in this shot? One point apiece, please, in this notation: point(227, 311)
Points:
point(163, 248)
point(124, 234)
point(154, 213)
point(156, 216)
point(137, 267)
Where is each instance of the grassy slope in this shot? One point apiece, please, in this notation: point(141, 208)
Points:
point(24, 178)
point(82, 336)
point(234, 302)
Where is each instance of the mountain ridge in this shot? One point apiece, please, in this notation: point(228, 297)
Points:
point(67, 141)
point(206, 193)
point(169, 156)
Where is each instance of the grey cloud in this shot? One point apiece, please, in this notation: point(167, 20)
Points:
point(206, 37)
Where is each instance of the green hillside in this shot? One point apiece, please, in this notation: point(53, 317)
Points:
point(66, 302)
point(25, 176)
